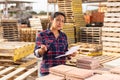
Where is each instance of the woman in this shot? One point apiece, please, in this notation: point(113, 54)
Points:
point(51, 43)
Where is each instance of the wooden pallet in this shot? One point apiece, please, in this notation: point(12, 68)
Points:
point(106, 57)
point(12, 73)
point(14, 51)
point(10, 30)
point(28, 34)
point(90, 34)
point(29, 62)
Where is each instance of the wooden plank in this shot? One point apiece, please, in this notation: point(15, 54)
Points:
point(114, 4)
point(6, 70)
point(111, 19)
point(27, 64)
point(112, 14)
point(26, 74)
point(110, 34)
point(106, 57)
point(111, 39)
point(111, 44)
point(111, 24)
point(112, 49)
point(12, 74)
point(111, 29)
point(113, 9)
point(6, 54)
point(6, 60)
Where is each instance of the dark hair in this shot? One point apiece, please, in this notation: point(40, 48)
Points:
point(54, 15)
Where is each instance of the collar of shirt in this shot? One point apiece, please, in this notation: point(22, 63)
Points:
point(50, 32)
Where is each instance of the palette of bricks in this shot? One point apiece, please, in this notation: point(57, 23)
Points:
point(64, 72)
point(69, 30)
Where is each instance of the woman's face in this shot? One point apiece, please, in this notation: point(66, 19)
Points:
point(58, 22)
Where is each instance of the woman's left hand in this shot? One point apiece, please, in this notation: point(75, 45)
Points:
point(73, 54)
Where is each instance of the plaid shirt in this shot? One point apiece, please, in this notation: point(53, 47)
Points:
point(54, 46)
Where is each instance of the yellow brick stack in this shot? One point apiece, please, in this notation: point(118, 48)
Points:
point(77, 13)
point(69, 29)
point(78, 17)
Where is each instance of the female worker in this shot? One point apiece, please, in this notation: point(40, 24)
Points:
point(51, 43)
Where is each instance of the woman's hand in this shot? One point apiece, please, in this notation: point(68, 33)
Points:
point(42, 50)
point(74, 54)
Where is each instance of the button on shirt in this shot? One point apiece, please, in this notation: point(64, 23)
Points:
point(55, 47)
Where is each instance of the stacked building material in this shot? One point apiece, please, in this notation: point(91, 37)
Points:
point(89, 49)
point(13, 51)
point(78, 74)
point(51, 77)
point(28, 34)
point(65, 6)
point(73, 12)
point(102, 59)
point(78, 16)
point(60, 70)
point(69, 29)
point(111, 29)
point(91, 35)
point(10, 30)
point(35, 23)
point(87, 63)
point(104, 77)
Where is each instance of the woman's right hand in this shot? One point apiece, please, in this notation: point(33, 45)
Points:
point(42, 50)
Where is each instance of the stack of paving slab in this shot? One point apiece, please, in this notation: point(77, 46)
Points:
point(87, 63)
